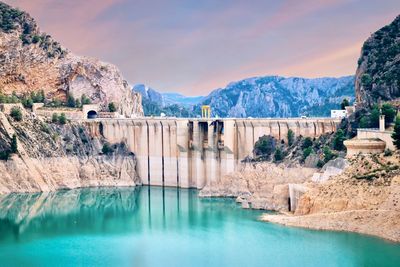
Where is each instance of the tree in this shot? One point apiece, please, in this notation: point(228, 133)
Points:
point(328, 154)
point(338, 140)
point(374, 117)
point(344, 103)
point(54, 118)
point(307, 143)
point(78, 103)
point(307, 152)
point(62, 119)
point(290, 137)
point(366, 80)
point(396, 133)
point(278, 156)
point(112, 107)
point(107, 149)
point(16, 113)
point(265, 146)
point(85, 100)
point(389, 112)
point(14, 144)
point(364, 122)
point(70, 101)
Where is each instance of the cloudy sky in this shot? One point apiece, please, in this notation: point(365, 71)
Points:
point(194, 46)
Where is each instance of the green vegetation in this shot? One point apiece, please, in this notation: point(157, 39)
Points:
point(307, 142)
point(107, 149)
point(290, 137)
point(14, 144)
point(278, 156)
point(366, 80)
point(328, 154)
point(338, 140)
point(344, 103)
point(16, 113)
point(112, 107)
point(389, 111)
point(85, 100)
point(62, 119)
point(396, 133)
point(265, 146)
point(70, 101)
point(307, 152)
point(5, 155)
point(54, 118)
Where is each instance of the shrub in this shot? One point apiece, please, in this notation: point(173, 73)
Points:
point(27, 102)
point(62, 119)
point(328, 154)
point(320, 163)
point(307, 143)
point(16, 113)
point(278, 156)
point(396, 133)
point(338, 140)
point(70, 101)
point(366, 79)
point(265, 146)
point(307, 152)
point(112, 107)
point(374, 117)
point(290, 137)
point(85, 100)
point(389, 112)
point(78, 103)
point(364, 122)
point(107, 149)
point(387, 153)
point(54, 118)
point(5, 155)
point(344, 103)
point(14, 144)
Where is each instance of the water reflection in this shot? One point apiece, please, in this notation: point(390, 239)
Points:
point(108, 211)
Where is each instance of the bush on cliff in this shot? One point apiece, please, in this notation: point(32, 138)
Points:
point(307, 142)
point(344, 103)
point(338, 140)
point(290, 137)
point(107, 149)
point(62, 119)
point(16, 113)
point(278, 156)
point(265, 146)
point(112, 107)
point(14, 144)
point(396, 133)
point(54, 118)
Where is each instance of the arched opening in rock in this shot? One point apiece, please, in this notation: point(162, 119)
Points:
point(92, 114)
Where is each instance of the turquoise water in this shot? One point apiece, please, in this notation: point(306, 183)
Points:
point(151, 226)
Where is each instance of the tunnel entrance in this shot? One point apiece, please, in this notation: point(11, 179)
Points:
point(92, 114)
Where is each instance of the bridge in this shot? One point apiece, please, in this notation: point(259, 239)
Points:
point(195, 152)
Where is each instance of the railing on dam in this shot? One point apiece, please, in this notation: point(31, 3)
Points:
point(193, 152)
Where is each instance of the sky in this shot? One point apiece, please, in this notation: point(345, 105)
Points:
point(195, 46)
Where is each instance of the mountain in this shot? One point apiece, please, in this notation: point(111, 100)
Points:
point(171, 104)
point(378, 72)
point(187, 101)
point(275, 96)
point(31, 61)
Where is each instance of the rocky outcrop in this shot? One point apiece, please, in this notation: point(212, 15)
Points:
point(52, 157)
point(31, 60)
point(274, 96)
point(365, 198)
point(378, 72)
point(260, 185)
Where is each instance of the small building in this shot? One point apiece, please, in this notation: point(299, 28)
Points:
point(338, 113)
point(370, 140)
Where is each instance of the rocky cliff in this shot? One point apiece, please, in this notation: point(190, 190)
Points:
point(31, 60)
point(378, 72)
point(274, 96)
point(52, 156)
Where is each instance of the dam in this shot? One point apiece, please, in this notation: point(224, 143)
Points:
point(190, 153)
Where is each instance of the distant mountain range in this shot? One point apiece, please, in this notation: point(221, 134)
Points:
point(269, 96)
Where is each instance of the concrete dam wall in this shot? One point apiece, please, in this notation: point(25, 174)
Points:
point(194, 152)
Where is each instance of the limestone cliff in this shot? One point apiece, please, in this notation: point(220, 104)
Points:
point(31, 60)
point(52, 156)
point(378, 72)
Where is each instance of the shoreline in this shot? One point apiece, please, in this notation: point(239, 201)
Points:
point(377, 223)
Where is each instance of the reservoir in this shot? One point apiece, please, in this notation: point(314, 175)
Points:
point(155, 226)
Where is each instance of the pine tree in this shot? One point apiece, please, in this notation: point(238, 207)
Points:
point(396, 133)
point(14, 144)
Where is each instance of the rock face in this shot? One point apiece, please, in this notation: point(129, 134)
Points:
point(52, 157)
point(31, 61)
point(260, 186)
point(274, 96)
point(378, 72)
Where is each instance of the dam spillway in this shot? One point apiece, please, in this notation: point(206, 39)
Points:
point(191, 153)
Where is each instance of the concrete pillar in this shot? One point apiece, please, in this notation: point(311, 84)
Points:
point(141, 150)
point(155, 152)
point(382, 123)
point(198, 174)
point(211, 152)
point(228, 162)
point(184, 162)
point(170, 153)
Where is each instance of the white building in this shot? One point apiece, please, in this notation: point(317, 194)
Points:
point(338, 113)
